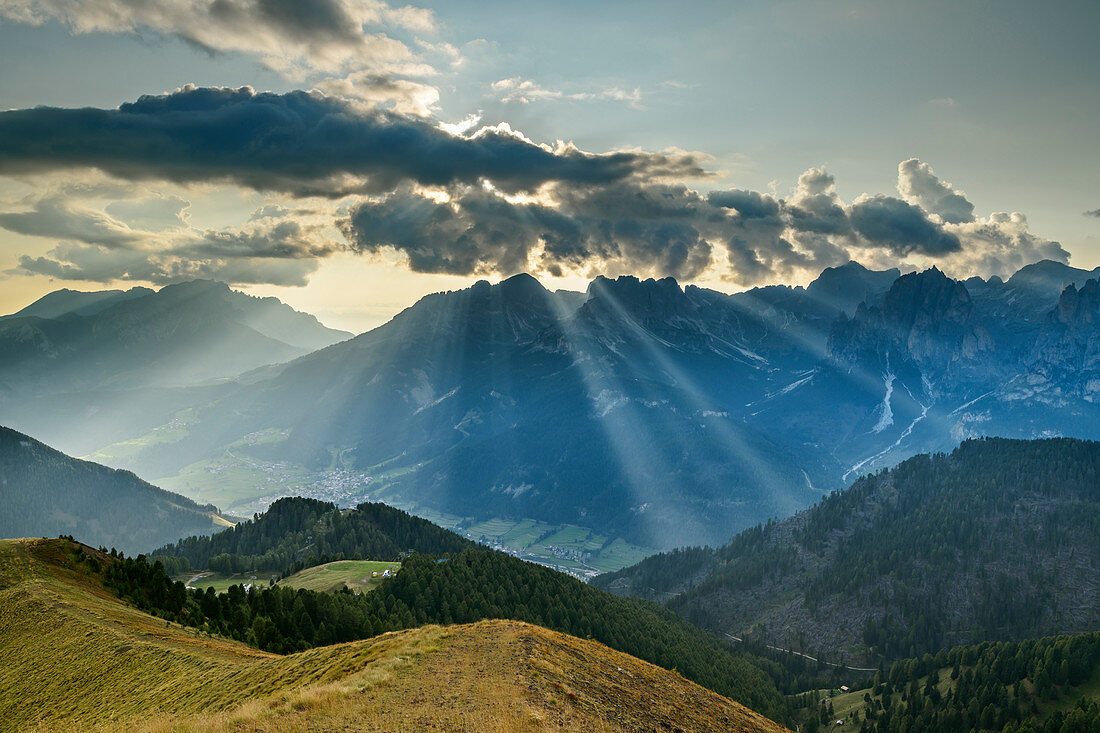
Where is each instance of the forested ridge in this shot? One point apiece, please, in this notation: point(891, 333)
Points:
point(44, 493)
point(1000, 540)
point(471, 585)
point(1031, 686)
point(296, 532)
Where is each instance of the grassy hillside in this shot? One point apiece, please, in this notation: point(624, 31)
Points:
point(45, 493)
point(359, 576)
point(76, 658)
point(474, 583)
point(997, 541)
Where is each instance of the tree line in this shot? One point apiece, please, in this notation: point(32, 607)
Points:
point(467, 586)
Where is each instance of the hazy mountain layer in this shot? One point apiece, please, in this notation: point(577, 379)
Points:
point(185, 334)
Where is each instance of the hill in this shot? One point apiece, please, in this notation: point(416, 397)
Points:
point(469, 583)
point(997, 541)
point(60, 302)
point(44, 492)
point(63, 638)
point(296, 533)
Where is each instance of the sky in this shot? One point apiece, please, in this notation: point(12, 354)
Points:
point(350, 156)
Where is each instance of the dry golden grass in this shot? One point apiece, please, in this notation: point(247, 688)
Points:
point(75, 658)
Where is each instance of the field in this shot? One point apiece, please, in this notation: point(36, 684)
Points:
point(220, 583)
point(358, 575)
point(77, 659)
point(575, 550)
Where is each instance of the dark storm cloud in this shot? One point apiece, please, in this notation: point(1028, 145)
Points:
point(480, 231)
point(300, 143)
point(900, 227)
point(749, 204)
point(629, 226)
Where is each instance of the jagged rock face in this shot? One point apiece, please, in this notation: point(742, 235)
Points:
point(1078, 308)
point(1066, 354)
point(926, 318)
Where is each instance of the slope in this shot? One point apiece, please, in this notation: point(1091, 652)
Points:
point(44, 492)
point(64, 641)
point(467, 584)
point(997, 541)
point(295, 533)
point(1046, 684)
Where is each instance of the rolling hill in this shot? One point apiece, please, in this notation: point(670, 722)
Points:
point(997, 540)
point(44, 492)
point(446, 579)
point(76, 658)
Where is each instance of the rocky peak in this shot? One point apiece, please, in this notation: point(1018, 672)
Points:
point(845, 287)
point(926, 299)
point(646, 301)
point(1079, 307)
point(925, 316)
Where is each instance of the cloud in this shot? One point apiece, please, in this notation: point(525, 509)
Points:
point(57, 219)
point(300, 143)
point(999, 244)
point(155, 213)
point(289, 36)
point(461, 200)
point(97, 264)
point(276, 245)
point(632, 226)
point(525, 91)
point(1094, 213)
point(918, 184)
point(477, 230)
point(900, 227)
point(400, 95)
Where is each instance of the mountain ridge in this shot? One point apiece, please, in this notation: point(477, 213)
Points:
point(79, 659)
point(45, 492)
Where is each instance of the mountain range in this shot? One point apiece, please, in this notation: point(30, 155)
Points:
point(640, 409)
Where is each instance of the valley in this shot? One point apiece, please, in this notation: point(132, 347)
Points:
point(549, 367)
